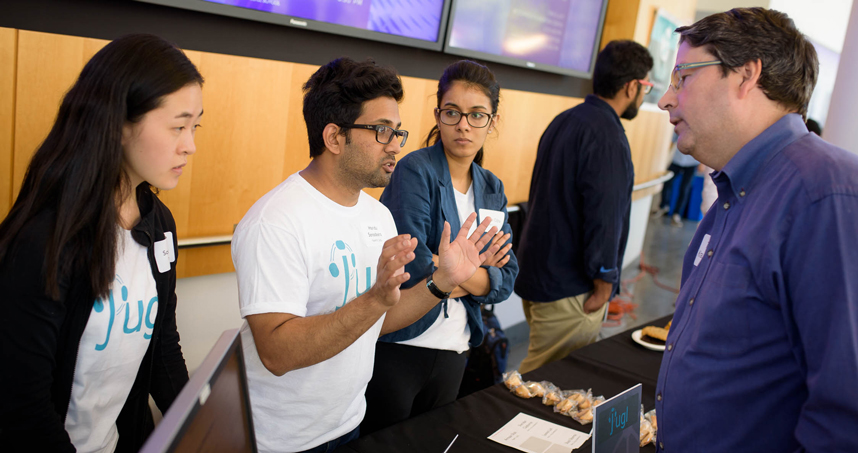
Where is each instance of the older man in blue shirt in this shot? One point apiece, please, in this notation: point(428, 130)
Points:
point(763, 352)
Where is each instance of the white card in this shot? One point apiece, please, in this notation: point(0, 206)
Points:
point(702, 250)
point(497, 217)
point(372, 233)
point(164, 253)
point(533, 435)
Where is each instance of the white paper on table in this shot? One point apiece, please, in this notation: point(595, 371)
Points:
point(533, 435)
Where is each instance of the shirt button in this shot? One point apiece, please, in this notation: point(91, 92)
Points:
point(742, 193)
point(709, 253)
point(661, 445)
point(658, 397)
point(691, 301)
point(669, 347)
point(726, 205)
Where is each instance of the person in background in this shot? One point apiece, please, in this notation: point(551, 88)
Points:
point(765, 333)
point(87, 257)
point(574, 238)
point(420, 367)
point(319, 265)
point(684, 168)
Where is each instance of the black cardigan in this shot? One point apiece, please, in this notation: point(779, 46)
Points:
point(39, 340)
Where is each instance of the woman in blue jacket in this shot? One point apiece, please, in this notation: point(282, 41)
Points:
point(420, 367)
point(87, 258)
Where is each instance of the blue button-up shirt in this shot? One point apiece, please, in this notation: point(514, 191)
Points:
point(762, 355)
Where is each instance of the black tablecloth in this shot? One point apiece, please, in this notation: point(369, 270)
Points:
point(608, 367)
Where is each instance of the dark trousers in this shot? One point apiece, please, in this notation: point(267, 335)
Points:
point(687, 175)
point(407, 381)
point(328, 447)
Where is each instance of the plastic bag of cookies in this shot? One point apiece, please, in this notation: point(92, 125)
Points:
point(568, 401)
point(553, 394)
point(512, 379)
point(529, 389)
point(584, 415)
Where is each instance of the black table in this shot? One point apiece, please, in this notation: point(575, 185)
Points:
point(608, 367)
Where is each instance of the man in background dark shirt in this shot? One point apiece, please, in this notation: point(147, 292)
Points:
point(575, 235)
point(762, 355)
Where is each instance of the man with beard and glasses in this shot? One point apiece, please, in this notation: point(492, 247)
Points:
point(572, 245)
point(319, 265)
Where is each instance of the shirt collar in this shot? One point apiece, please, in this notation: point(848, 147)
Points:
point(594, 100)
point(739, 173)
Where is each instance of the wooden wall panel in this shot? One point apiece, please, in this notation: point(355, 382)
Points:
point(8, 55)
point(48, 65)
point(197, 261)
point(242, 145)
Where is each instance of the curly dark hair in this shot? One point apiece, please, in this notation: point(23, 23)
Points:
point(336, 93)
point(790, 64)
point(618, 63)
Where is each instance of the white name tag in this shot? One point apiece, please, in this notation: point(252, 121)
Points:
point(372, 233)
point(164, 252)
point(702, 250)
point(497, 217)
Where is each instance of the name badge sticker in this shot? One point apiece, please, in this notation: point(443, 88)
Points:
point(497, 217)
point(702, 250)
point(372, 234)
point(162, 254)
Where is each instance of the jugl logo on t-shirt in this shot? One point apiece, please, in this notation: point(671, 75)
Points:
point(342, 253)
point(112, 311)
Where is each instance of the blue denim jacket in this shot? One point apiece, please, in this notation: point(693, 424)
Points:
point(420, 197)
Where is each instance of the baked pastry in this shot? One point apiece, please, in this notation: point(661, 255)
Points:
point(655, 332)
point(511, 379)
point(522, 391)
point(536, 389)
point(551, 398)
point(584, 416)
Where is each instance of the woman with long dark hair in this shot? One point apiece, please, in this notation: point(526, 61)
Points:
point(421, 366)
point(87, 257)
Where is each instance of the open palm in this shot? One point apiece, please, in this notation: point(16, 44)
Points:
point(460, 259)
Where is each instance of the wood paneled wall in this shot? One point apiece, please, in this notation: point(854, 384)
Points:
point(253, 133)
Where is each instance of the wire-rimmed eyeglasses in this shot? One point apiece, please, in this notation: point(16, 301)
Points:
point(676, 78)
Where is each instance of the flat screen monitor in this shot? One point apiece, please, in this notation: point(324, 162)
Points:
point(212, 412)
point(416, 23)
point(560, 36)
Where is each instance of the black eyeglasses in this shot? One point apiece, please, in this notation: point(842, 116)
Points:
point(452, 117)
point(383, 134)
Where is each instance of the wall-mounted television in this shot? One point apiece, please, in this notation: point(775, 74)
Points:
point(560, 36)
point(416, 23)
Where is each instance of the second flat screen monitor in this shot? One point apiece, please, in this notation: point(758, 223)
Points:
point(560, 36)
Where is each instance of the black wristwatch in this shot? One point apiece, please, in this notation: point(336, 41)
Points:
point(433, 288)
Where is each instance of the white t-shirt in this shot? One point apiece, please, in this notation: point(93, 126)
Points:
point(451, 333)
point(297, 251)
point(111, 349)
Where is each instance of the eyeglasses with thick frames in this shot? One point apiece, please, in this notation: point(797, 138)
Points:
point(383, 134)
point(452, 117)
point(646, 86)
point(676, 78)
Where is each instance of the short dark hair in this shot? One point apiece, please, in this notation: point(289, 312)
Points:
point(475, 75)
point(336, 93)
point(617, 64)
point(77, 172)
point(790, 64)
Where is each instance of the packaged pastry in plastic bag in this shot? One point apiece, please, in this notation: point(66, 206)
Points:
point(567, 403)
point(512, 379)
point(553, 394)
point(529, 389)
point(584, 415)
